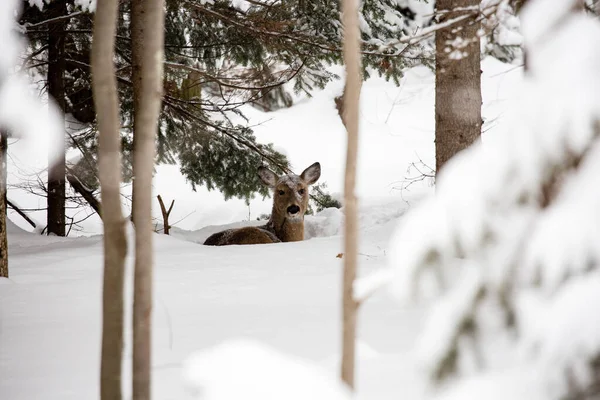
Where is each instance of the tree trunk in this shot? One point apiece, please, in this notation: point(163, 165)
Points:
point(104, 86)
point(350, 119)
point(3, 237)
point(147, 39)
point(56, 90)
point(457, 84)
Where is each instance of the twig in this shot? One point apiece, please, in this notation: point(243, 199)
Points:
point(181, 219)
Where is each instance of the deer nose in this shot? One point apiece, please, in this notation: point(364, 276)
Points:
point(293, 209)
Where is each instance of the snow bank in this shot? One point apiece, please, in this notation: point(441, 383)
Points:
point(246, 369)
point(328, 222)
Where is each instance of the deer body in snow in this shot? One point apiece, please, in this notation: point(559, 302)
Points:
point(290, 202)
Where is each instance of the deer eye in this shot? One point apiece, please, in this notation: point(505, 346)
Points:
point(281, 192)
point(301, 191)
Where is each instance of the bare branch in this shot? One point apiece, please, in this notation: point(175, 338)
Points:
point(26, 26)
point(21, 213)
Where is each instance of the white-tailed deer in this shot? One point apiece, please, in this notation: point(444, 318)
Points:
point(290, 201)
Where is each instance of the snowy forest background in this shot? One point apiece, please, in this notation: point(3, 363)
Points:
point(478, 211)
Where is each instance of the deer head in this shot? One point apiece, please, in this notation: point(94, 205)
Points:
point(290, 192)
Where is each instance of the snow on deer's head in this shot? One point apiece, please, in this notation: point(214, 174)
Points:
point(290, 199)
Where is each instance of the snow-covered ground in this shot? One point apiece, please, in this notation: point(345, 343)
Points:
point(287, 295)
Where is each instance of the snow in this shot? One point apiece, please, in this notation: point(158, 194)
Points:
point(251, 370)
point(38, 3)
point(446, 318)
point(518, 211)
point(86, 5)
point(564, 224)
point(521, 170)
point(518, 383)
point(260, 321)
point(241, 5)
point(286, 298)
point(21, 111)
point(365, 287)
point(9, 48)
point(559, 344)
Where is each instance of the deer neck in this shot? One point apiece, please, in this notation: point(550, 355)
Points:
point(285, 229)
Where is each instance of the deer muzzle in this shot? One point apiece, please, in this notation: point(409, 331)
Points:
point(293, 210)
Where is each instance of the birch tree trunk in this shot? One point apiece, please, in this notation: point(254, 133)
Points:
point(104, 85)
point(56, 89)
point(147, 39)
point(457, 83)
point(350, 119)
point(3, 235)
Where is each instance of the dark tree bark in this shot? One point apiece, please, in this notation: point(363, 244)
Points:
point(457, 84)
point(147, 40)
point(104, 86)
point(3, 236)
point(56, 90)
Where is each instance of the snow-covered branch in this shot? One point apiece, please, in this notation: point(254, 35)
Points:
point(85, 5)
point(518, 212)
point(21, 111)
point(367, 286)
point(469, 13)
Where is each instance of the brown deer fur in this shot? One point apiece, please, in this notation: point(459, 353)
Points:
point(290, 202)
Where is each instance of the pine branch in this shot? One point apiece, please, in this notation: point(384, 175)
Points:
point(212, 78)
point(431, 30)
point(307, 41)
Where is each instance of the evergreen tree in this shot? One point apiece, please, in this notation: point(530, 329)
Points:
point(219, 57)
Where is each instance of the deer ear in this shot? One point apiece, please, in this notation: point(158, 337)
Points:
point(311, 174)
point(267, 176)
